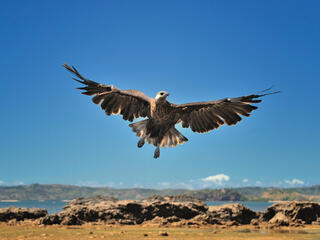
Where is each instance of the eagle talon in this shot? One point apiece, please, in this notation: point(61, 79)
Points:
point(141, 142)
point(156, 153)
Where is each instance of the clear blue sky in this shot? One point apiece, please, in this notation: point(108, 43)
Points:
point(195, 50)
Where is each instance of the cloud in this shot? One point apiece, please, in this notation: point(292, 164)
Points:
point(90, 183)
point(1, 182)
point(170, 185)
point(258, 183)
point(245, 180)
point(219, 179)
point(294, 182)
point(165, 184)
point(18, 183)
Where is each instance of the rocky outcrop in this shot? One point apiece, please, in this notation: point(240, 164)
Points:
point(92, 201)
point(173, 211)
point(125, 212)
point(156, 210)
point(291, 213)
point(19, 214)
point(235, 212)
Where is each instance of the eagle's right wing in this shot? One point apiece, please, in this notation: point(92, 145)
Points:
point(206, 116)
point(130, 104)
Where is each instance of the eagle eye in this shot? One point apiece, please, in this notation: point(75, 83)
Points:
point(161, 93)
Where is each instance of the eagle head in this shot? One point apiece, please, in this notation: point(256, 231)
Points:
point(162, 95)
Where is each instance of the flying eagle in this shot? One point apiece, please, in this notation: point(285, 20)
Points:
point(162, 116)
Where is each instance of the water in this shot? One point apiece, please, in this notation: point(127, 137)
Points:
point(51, 206)
point(56, 206)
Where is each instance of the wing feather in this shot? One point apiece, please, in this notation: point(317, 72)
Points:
point(205, 116)
point(130, 104)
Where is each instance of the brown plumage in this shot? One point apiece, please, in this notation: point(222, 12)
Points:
point(162, 116)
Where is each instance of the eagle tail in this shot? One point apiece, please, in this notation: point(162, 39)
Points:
point(172, 138)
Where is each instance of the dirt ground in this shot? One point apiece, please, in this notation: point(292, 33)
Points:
point(146, 232)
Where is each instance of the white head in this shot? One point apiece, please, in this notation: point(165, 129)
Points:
point(162, 95)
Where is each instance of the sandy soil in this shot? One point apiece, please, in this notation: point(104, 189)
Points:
point(31, 232)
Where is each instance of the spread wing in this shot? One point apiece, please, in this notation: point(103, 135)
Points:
point(130, 104)
point(205, 116)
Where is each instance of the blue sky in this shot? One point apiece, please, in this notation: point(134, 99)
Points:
point(195, 50)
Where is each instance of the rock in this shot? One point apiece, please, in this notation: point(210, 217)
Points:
point(232, 212)
point(159, 221)
point(299, 212)
point(91, 200)
point(166, 211)
point(19, 214)
point(71, 220)
point(157, 210)
point(254, 222)
point(127, 212)
point(12, 222)
point(206, 218)
point(50, 220)
point(231, 223)
point(164, 234)
point(280, 219)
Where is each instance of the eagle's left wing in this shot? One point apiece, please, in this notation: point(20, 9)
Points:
point(130, 104)
point(206, 116)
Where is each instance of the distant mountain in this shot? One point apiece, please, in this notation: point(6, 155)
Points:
point(63, 192)
point(281, 194)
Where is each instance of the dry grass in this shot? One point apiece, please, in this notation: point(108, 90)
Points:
point(143, 232)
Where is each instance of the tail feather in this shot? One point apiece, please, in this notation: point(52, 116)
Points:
point(171, 139)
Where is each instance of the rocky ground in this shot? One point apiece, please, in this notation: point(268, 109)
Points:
point(166, 211)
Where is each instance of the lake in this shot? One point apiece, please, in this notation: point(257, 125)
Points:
point(56, 206)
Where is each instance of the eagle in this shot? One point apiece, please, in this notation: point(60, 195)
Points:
point(161, 116)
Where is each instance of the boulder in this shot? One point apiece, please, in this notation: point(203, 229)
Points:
point(234, 212)
point(20, 214)
point(297, 212)
point(254, 222)
point(50, 220)
point(280, 219)
point(91, 201)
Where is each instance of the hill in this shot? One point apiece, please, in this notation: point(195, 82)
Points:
point(62, 192)
point(281, 194)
